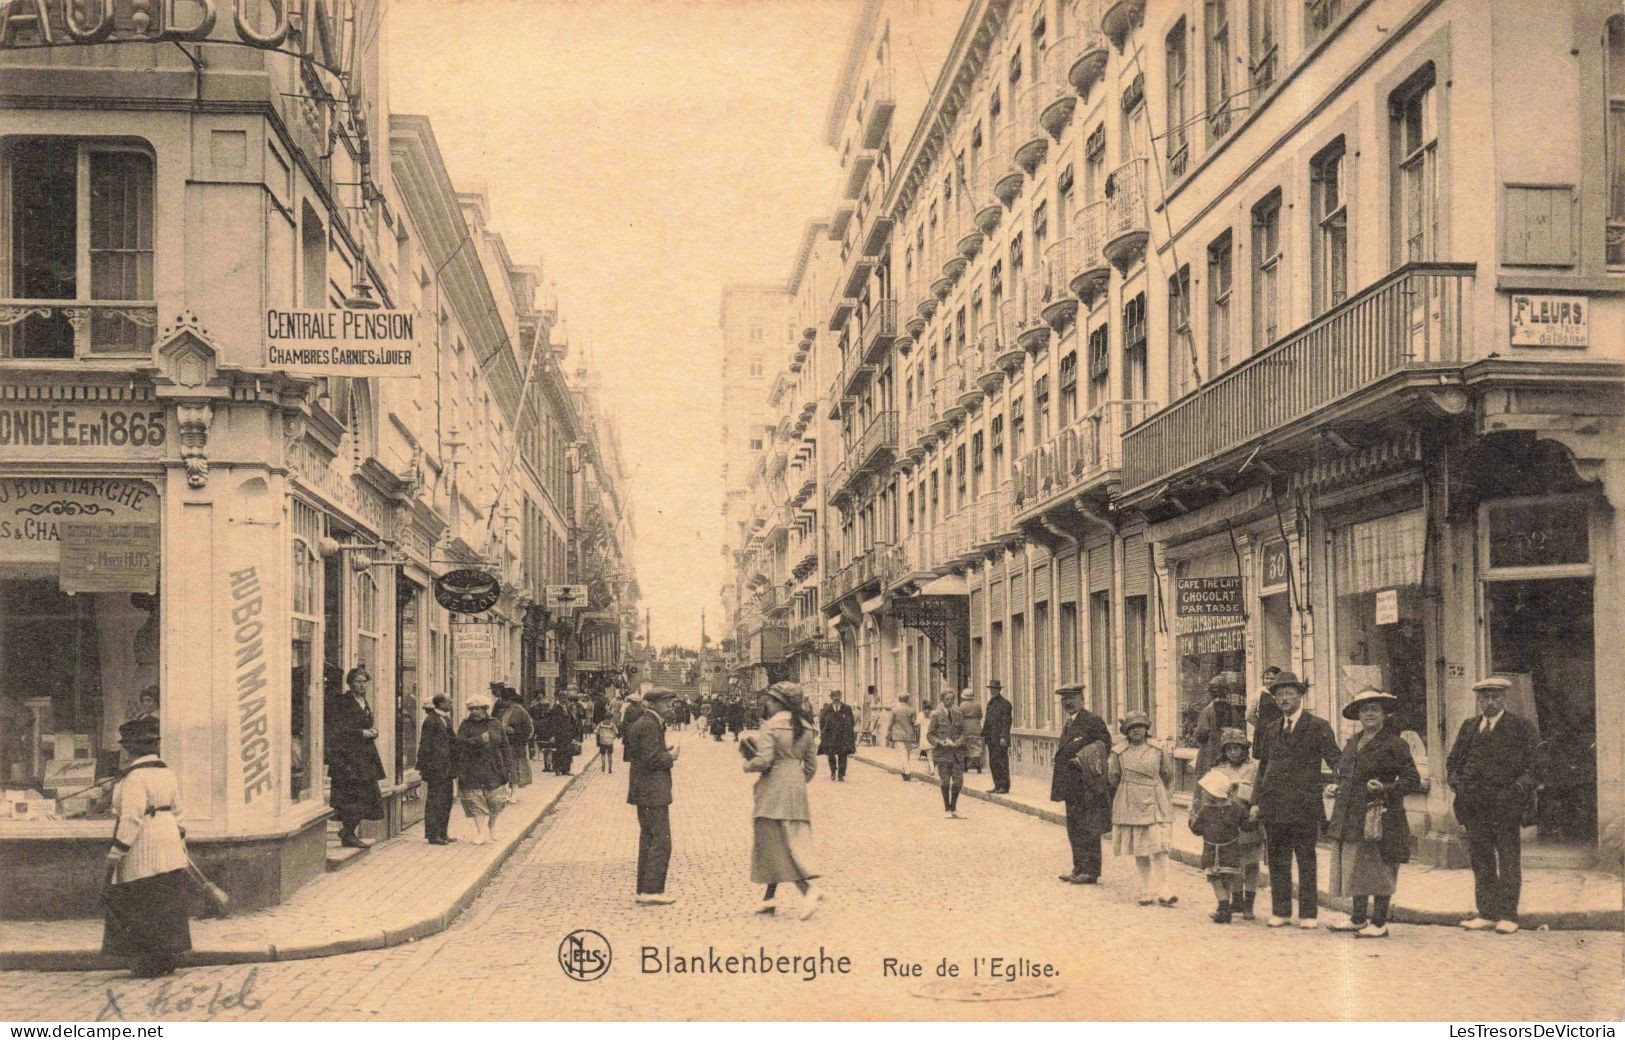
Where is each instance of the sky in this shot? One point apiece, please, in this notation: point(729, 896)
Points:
point(648, 152)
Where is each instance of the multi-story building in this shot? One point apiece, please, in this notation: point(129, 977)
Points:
point(604, 540)
point(185, 509)
point(1186, 338)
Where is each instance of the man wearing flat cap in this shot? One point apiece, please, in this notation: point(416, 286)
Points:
point(1289, 800)
point(1491, 768)
point(996, 720)
point(1079, 780)
point(649, 788)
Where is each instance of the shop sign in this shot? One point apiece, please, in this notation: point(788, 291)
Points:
point(250, 683)
point(547, 669)
point(1276, 563)
point(340, 486)
point(1210, 641)
point(1208, 597)
point(33, 509)
point(1550, 321)
point(102, 557)
point(566, 597)
point(587, 664)
point(1387, 606)
point(337, 342)
point(472, 641)
point(82, 428)
point(467, 591)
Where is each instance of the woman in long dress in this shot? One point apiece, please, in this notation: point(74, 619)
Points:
point(352, 759)
point(519, 729)
point(785, 752)
point(1143, 811)
point(1374, 775)
point(144, 906)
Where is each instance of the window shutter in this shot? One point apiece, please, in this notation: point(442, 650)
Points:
point(1069, 579)
point(1136, 566)
point(1040, 582)
point(1018, 592)
point(1100, 568)
point(978, 607)
point(995, 597)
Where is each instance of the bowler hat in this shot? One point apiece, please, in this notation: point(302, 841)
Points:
point(1072, 690)
point(994, 684)
point(139, 731)
point(1288, 679)
point(1493, 684)
point(1389, 702)
point(1132, 719)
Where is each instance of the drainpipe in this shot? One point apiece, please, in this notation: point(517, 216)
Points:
point(1099, 522)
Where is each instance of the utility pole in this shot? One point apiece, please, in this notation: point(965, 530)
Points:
point(648, 626)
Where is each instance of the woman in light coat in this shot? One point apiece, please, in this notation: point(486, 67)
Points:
point(903, 731)
point(1142, 811)
point(144, 906)
point(785, 753)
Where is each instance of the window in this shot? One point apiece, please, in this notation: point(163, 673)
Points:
point(1068, 383)
point(1415, 174)
point(312, 258)
point(1218, 69)
point(995, 434)
point(1018, 426)
point(1040, 409)
point(79, 257)
point(1134, 350)
point(756, 444)
point(1616, 141)
point(756, 334)
point(1100, 362)
point(1329, 236)
point(1263, 45)
point(1133, 111)
point(1218, 305)
point(1174, 55)
point(756, 367)
point(304, 688)
point(1181, 360)
point(1318, 18)
point(976, 464)
point(1266, 271)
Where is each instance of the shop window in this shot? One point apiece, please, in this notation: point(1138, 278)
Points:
point(1207, 641)
point(305, 578)
point(78, 263)
point(408, 675)
point(1615, 228)
point(79, 645)
point(1377, 586)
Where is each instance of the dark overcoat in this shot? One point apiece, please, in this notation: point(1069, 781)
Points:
point(1492, 772)
point(1387, 758)
point(1290, 784)
point(354, 767)
point(839, 729)
point(650, 780)
point(482, 754)
point(996, 721)
point(436, 760)
point(1070, 783)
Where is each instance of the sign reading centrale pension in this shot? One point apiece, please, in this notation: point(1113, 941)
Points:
point(1208, 597)
point(342, 342)
point(104, 557)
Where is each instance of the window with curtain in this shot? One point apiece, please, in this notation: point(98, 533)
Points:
point(1218, 69)
point(1615, 74)
point(1415, 174)
point(1266, 271)
point(1175, 110)
point(1263, 44)
point(1377, 588)
point(1329, 235)
point(1180, 375)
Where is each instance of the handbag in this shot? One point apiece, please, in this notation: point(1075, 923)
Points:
point(1373, 821)
point(1091, 758)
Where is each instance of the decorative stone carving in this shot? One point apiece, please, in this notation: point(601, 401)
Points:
point(194, 421)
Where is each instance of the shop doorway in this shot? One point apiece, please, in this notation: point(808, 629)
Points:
point(1541, 637)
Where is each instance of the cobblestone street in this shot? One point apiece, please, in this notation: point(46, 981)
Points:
point(902, 883)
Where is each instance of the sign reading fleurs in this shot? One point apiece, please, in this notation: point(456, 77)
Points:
point(342, 342)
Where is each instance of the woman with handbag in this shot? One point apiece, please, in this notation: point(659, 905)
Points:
point(1370, 837)
point(144, 905)
point(1231, 843)
point(1142, 810)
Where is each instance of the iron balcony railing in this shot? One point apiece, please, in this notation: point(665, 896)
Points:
point(1125, 204)
point(76, 328)
point(1078, 456)
point(879, 330)
point(1419, 316)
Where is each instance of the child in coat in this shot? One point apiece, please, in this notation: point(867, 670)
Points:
point(606, 743)
point(1230, 842)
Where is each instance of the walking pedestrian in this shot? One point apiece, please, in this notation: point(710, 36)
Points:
point(354, 767)
point(1491, 768)
point(785, 753)
point(737, 721)
point(519, 728)
point(1289, 799)
point(1143, 810)
point(144, 904)
point(1230, 841)
point(975, 748)
point(483, 768)
point(438, 766)
point(649, 788)
point(564, 734)
point(1078, 779)
point(605, 734)
point(903, 732)
point(839, 738)
point(1370, 837)
point(996, 723)
point(946, 735)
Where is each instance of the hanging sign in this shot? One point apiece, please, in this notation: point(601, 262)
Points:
point(547, 669)
point(467, 591)
point(1208, 597)
point(472, 641)
point(1387, 606)
point(109, 557)
point(336, 342)
point(566, 597)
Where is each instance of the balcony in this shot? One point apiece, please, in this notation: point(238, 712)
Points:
point(877, 108)
point(1360, 363)
point(806, 630)
point(986, 207)
point(915, 322)
point(873, 451)
point(844, 306)
point(989, 375)
point(1007, 187)
point(1119, 18)
point(1030, 137)
point(863, 160)
point(858, 273)
point(1090, 272)
point(1126, 227)
point(971, 243)
point(949, 389)
point(972, 364)
point(1089, 54)
point(1084, 460)
point(76, 328)
point(1056, 99)
point(1060, 305)
point(878, 331)
point(1024, 312)
point(838, 221)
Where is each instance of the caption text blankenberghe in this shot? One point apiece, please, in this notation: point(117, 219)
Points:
point(664, 960)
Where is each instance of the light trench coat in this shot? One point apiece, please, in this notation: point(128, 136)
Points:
point(147, 803)
point(786, 764)
point(1141, 775)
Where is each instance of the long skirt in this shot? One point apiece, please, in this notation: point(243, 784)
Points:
point(1140, 839)
point(1358, 870)
point(354, 799)
point(145, 919)
point(520, 765)
point(782, 851)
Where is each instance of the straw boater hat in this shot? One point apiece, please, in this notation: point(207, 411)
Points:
point(1132, 719)
point(1388, 701)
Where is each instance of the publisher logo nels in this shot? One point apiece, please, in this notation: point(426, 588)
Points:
point(585, 955)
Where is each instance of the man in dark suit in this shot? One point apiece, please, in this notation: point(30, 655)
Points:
point(1082, 787)
point(1289, 798)
point(1492, 770)
point(996, 720)
point(838, 735)
point(437, 768)
point(649, 788)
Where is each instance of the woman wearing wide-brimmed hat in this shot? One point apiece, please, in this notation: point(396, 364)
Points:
point(144, 906)
point(1142, 810)
point(1370, 837)
point(1231, 843)
point(785, 752)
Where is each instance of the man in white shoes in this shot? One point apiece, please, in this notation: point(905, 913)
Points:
point(649, 788)
point(1491, 769)
point(1288, 801)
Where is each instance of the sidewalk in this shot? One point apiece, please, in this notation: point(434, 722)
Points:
point(1427, 895)
point(402, 890)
